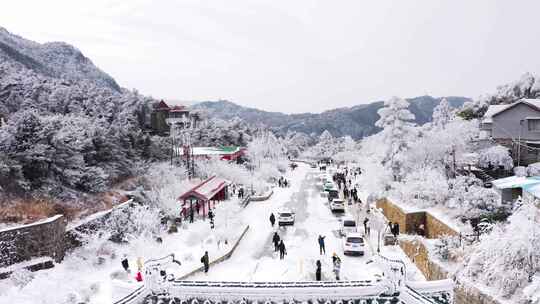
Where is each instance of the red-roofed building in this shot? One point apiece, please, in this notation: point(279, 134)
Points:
point(204, 196)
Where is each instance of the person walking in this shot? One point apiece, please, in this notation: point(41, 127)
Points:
point(396, 228)
point(318, 271)
point(282, 250)
point(322, 250)
point(211, 217)
point(205, 261)
point(337, 265)
point(272, 219)
point(276, 240)
point(366, 226)
point(394, 231)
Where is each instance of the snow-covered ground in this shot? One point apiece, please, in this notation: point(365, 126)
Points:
point(81, 278)
point(93, 273)
point(255, 259)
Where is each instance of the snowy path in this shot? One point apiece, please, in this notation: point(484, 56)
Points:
point(255, 259)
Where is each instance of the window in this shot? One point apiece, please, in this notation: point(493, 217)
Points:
point(533, 125)
point(349, 223)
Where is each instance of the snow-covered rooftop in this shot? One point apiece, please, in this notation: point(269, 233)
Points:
point(215, 150)
point(515, 182)
point(533, 189)
point(492, 110)
point(207, 189)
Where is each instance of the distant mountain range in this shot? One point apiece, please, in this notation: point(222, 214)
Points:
point(357, 121)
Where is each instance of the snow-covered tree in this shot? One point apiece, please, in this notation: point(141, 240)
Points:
point(326, 147)
point(494, 157)
point(442, 114)
point(348, 150)
point(395, 120)
point(507, 258)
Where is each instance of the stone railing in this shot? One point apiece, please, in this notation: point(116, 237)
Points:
point(260, 198)
point(255, 198)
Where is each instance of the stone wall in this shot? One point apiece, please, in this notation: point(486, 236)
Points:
point(47, 238)
point(436, 228)
point(393, 213)
point(419, 255)
point(417, 252)
point(43, 238)
point(410, 221)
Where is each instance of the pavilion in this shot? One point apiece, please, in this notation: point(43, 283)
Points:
point(204, 196)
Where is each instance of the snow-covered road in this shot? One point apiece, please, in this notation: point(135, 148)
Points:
point(255, 259)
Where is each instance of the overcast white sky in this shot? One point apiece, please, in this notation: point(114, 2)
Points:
point(293, 56)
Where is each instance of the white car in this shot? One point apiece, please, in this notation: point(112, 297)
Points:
point(348, 225)
point(353, 244)
point(337, 205)
point(285, 217)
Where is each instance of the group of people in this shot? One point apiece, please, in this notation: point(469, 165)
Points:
point(125, 265)
point(283, 182)
point(336, 263)
point(240, 193)
point(394, 229)
point(279, 246)
point(351, 194)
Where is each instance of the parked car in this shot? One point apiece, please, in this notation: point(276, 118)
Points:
point(337, 205)
point(313, 166)
point(348, 225)
point(328, 186)
point(285, 217)
point(353, 244)
point(332, 194)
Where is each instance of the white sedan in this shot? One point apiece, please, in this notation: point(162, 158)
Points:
point(337, 205)
point(286, 217)
point(353, 244)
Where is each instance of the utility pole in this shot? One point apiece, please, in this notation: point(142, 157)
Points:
point(519, 142)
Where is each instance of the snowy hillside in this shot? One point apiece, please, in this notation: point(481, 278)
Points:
point(70, 129)
point(53, 59)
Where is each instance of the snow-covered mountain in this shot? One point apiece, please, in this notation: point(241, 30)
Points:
point(70, 128)
point(357, 122)
point(52, 59)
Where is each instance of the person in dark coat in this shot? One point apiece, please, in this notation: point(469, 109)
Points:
point(366, 226)
point(276, 240)
point(337, 265)
point(191, 215)
point(322, 250)
point(205, 260)
point(211, 217)
point(272, 219)
point(395, 230)
point(125, 264)
point(318, 271)
point(282, 250)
